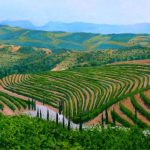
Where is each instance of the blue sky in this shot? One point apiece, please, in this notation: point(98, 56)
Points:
point(94, 11)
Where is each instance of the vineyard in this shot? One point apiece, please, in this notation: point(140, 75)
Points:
point(117, 93)
point(14, 104)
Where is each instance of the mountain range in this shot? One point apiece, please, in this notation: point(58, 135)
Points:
point(82, 27)
point(71, 41)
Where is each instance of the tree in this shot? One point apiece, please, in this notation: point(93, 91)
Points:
point(135, 116)
point(40, 114)
point(63, 121)
point(80, 125)
point(61, 104)
point(114, 117)
point(56, 118)
point(102, 120)
point(69, 120)
point(106, 115)
point(29, 104)
point(37, 113)
point(47, 114)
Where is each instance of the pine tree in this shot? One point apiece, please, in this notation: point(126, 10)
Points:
point(56, 118)
point(29, 104)
point(135, 116)
point(69, 120)
point(59, 107)
point(63, 121)
point(69, 123)
point(40, 114)
point(47, 114)
point(37, 113)
point(102, 120)
point(114, 117)
point(32, 104)
point(80, 125)
point(106, 115)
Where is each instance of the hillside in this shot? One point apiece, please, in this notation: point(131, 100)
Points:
point(89, 92)
point(23, 59)
point(71, 41)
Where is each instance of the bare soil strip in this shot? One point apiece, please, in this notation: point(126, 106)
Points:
point(145, 62)
point(138, 99)
point(147, 93)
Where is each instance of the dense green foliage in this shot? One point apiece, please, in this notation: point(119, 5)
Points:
point(31, 133)
point(26, 60)
point(97, 58)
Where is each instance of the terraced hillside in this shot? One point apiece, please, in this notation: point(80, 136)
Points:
point(71, 41)
point(10, 105)
point(87, 92)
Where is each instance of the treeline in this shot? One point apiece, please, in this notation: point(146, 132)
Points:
point(97, 58)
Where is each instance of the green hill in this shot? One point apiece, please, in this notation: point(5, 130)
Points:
point(71, 41)
point(23, 59)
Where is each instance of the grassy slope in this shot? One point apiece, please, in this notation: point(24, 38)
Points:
point(76, 41)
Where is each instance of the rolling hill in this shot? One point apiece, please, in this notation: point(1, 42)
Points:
point(71, 41)
point(24, 59)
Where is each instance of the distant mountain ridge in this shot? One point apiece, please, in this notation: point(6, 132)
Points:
point(82, 27)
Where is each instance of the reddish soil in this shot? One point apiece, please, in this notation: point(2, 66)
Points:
point(94, 121)
point(7, 110)
point(145, 62)
point(147, 93)
point(15, 48)
point(138, 99)
point(129, 105)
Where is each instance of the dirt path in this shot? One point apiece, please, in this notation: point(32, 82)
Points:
point(147, 93)
point(145, 62)
point(140, 102)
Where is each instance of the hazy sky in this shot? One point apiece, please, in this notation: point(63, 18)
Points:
point(94, 11)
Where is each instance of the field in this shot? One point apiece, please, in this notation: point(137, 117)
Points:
point(120, 90)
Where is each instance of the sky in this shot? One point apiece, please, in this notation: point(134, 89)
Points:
point(93, 11)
